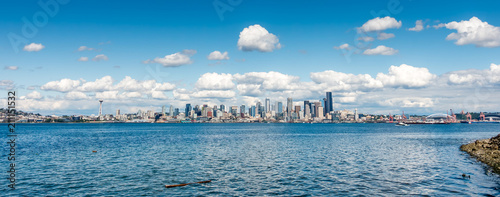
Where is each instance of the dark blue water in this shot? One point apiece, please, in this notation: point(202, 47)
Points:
point(247, 159)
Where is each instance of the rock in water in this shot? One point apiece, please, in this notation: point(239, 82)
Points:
point(485, 151)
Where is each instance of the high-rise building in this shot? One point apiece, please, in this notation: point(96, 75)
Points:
point(289, 106)
point(234, 110)
point(242, 111)
point(252, 112)
point(176, 112)
point(222, 108)
point(328, 102)
point(280, 107)
point(163, 110)
point(171, 111)
point(117, 112)
point(307, 108)
point(188, 109)
point(258, 108)
point(297, 109)
point(268, 105)
point(317, 112)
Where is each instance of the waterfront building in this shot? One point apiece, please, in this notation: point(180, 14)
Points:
point(267, 105)
point(289, 106)
point(188, 109)
point(280, 107)
point(328, 102)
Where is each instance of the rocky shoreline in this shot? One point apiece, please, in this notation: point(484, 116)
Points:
point(485, 151)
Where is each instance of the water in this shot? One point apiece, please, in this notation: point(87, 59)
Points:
point(248, 159)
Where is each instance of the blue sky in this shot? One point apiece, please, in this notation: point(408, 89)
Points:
point(128, 33)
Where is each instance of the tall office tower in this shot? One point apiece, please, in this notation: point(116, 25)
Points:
point(188, 109)
point(328, 102)
point(306, 108)
point(258, 108)
point(176, 112)
point(268, 105)
point(117, 112)
point(317, 108)
point(171, 111)
point(313, 109)
point(242, 111)
point(163, 110)
point(280, 107)
point(252, 112)
point(297, 109)
point(234, 110)
point(289, 106)
point(222, 108)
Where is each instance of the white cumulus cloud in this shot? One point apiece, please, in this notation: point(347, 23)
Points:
point(33, 47)
point(343, 46)
point(380, 24)
point(100, 57)
point(380, 50)
point(419, 26)
point(64, 85)
point(474, 31)
point(257, 38)
point(215, 81)
point(174, 60)
point(406, 76)
point(217, 55)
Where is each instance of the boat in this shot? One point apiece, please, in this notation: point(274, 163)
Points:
point(402, 124)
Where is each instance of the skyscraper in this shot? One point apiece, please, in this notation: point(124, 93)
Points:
point(222, 108)
point(252, 112)
point(163, 110)
point(258, 108)
point(328, 102)
point(188, 109)
point(289, 106)
point(280, 107)
point(242, 111)
point(268, 105)
point(172, 111)
point(307, 108)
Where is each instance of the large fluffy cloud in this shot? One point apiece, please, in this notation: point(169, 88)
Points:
point(406, 76)
point(380, 50)
point(215, 81)
point(174, 60)
point(256, 37)
point(63, 85)
point(380, 24)
point(474, 31)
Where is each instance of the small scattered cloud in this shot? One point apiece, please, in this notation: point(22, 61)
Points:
point(85, 48)
point(380, 50)
point(385, 36)
point(33, 47)
point(100, 57)
point(343, 46)
point(380, 24)
point(217, 55)
point(257, 38)
point(11, 68)
point(366, 38)
point(83, 59)
point(174, 60)
point(419, 26)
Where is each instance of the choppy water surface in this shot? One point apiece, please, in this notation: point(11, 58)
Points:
point(248, 159)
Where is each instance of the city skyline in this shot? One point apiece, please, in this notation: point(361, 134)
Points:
point(378, 57)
